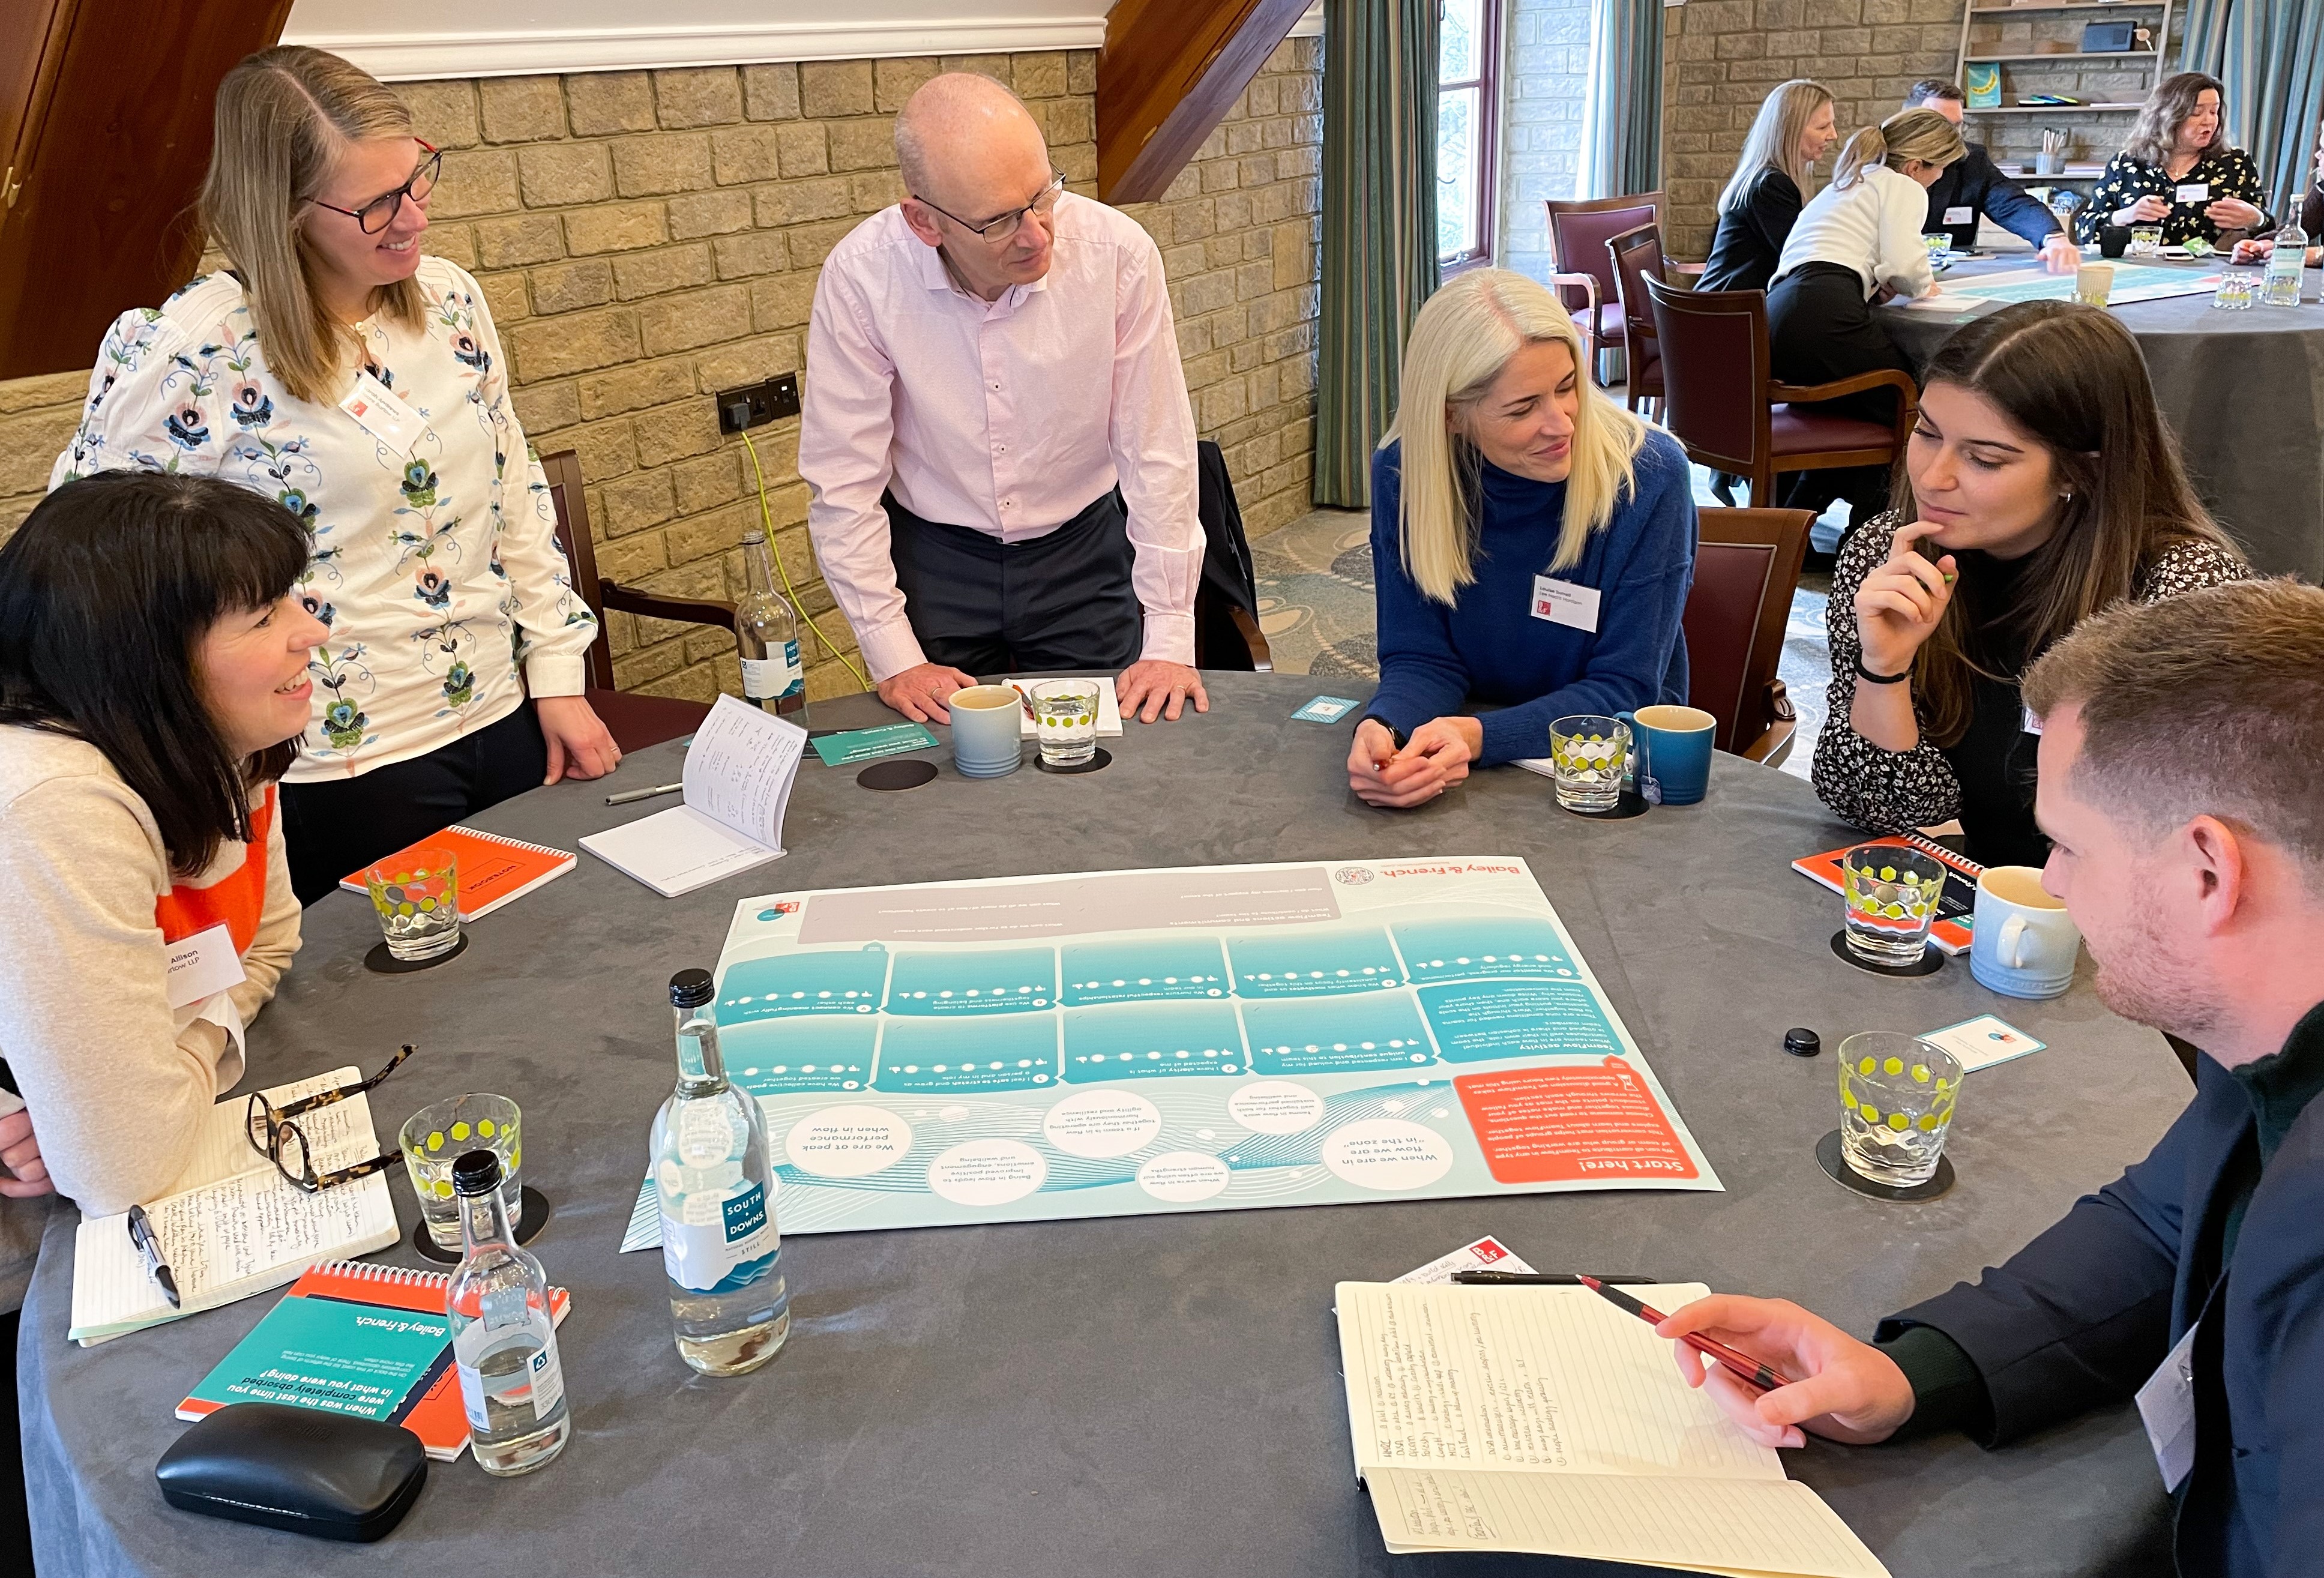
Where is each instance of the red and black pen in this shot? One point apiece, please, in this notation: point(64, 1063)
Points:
point(1741, 1365)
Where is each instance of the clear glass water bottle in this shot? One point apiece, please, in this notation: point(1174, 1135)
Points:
point(2281, 286)
point(766, 635)
point(503, 1336)
point(720, 1245)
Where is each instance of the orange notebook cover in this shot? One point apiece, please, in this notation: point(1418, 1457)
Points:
point(494, 869)
point(1956, 907)
point(275, 1365)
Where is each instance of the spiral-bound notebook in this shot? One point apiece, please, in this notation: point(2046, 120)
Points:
point(493, 869)
point(351, 1338)
point(1956, 906)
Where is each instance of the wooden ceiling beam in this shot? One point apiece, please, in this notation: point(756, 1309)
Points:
point(1170, 71)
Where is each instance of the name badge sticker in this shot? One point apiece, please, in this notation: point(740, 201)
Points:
point(2032, 722)
point(1564, 603)
point(204, 964)
point(1964, 215)
point(2166, 1406)
point(2195, 191)
point(382, 415)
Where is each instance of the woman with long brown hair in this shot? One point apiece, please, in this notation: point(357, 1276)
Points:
point(2039, 487)
point(2178, 169)
point(338, 370)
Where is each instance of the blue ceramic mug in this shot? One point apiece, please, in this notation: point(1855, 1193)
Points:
point(2023, 943)
point(1673, 753)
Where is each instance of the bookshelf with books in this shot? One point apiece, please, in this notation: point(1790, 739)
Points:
point(2035, 50)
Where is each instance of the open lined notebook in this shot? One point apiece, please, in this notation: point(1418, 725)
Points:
point(232, 1225)
point(1546, 1420)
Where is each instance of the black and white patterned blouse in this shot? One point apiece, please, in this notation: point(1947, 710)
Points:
point(2229, 173)
point(1891, 791)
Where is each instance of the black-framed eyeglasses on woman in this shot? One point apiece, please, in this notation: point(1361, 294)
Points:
point(283, 1142)
point(380, 213)
point(994, 232)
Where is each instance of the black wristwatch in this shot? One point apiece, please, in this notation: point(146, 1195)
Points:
point(1868, 674)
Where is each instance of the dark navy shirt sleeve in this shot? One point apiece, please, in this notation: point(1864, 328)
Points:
point(1422, 676)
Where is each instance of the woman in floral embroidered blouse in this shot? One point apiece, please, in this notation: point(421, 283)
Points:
point(2177, 171)
point(338, 370)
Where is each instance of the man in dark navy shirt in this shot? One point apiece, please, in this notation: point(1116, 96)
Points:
point(1972, 186)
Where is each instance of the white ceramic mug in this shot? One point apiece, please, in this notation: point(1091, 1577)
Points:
point(985, 730)
point(2023, 943)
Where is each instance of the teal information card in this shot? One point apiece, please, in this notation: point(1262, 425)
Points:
point(863, 744)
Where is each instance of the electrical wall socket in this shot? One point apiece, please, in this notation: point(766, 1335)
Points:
point(771, 402)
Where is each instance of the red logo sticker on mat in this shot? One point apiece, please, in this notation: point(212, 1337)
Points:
point(1563, 1125)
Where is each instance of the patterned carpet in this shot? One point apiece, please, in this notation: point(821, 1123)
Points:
point(1315, 605)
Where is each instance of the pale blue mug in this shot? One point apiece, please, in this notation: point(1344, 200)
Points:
point(2023, 943)
point(1673, 748)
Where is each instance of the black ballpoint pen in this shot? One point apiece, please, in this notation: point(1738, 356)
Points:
point(1538, 1279)
point(141, 1233)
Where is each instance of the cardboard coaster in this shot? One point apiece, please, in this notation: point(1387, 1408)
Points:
point(380, 961)
point(1631, 804)
point(1097, 764)
point(1933, 959)
point(533, 1210)
point(897, 775)
point(1835, 1166)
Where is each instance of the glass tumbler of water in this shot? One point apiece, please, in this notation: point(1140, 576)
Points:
point(2145, 240)
point(2238, 291)
point(1897, 1096)
point(1892, 895)
point(1588, 755)
point(417, 897)
point(1064, 720)
point(435, 1137)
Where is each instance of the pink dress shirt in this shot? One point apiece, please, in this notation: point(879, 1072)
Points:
point(1008, 417)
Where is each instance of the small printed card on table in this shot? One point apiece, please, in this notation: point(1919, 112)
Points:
point(1325, 709)
point(1487, 1254)
point(846, 750)
point(1983, 1041)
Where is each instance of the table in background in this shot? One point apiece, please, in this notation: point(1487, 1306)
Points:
point(2243, 392)
point(1144, 1395)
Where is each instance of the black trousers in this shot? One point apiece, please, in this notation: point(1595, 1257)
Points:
point(15, 1520)
point(1820, 328)
point(333, 828)
point(1063, 601)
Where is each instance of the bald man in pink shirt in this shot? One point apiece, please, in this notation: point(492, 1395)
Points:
point(997, 438)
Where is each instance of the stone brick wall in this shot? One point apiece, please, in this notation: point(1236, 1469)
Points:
point(645, 239)
point(1545, 60)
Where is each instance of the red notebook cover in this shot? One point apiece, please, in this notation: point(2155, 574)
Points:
point(1955, 908)
point(435, 1416)
point(493, 868)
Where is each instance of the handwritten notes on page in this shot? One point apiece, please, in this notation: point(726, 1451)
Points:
point(737, 781)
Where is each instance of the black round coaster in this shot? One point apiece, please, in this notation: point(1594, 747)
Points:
point(533, 1216)
point(1933, 959)
point(1835, 1166)
point(380, 961)
point(1631, 804)
point(1097, 764)
point(909, 773)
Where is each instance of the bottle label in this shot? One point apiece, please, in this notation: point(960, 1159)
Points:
point(774, 676)
point(547, 1380)
point(536, 1386)
point(717, 1245)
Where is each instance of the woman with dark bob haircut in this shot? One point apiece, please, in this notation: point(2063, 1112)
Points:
point(2039, 486)
point(153, 682)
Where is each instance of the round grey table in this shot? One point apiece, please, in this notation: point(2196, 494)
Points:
point(2243, 392)
point(1148, 1394)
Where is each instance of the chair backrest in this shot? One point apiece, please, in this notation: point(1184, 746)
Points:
point(1579, 231)
point(1714, 346)
point(1745, 564)
point(563, 470)
point(1637, 256)
point(1228, 587)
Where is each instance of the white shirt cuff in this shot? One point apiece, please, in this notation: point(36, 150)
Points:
point(890, 649)
point(1169, 638)
point(556, 674)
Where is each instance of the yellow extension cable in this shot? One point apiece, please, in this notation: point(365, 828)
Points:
point(767, 517)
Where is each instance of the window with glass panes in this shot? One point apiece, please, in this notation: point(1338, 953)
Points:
point(1468, 102)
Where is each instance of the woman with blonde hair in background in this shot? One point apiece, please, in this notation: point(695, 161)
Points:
point(1794, 128)
point(338, 370)
point(1858, 243)
point(1532, 546)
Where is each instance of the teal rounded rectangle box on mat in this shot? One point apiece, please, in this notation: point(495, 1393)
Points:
point(1485, 1021)
point(779, 1056)
point(973, 982)
point(1143, 970)
point(930, 1056)
point(1348, 1036)
point(1151, 1040)
point(1320, 961)
point(848, 981)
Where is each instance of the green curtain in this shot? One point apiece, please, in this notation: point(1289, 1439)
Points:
point(1379, 226)
point(1622, 136)
point(2270, 54)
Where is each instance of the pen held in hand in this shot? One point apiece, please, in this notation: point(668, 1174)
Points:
point(1741, 1365)
point(644, 794)
point(149, 1249)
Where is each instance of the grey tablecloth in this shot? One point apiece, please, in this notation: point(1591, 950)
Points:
point(2243, 390)
point(1140, 1396)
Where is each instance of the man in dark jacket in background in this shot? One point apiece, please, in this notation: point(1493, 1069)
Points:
point(1970, 187)
point(2177, 780)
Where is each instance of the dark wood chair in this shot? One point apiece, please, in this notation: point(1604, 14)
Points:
point(1720, 400)
point(634, 721)
point(1637, 256)
point(1746, 564)
point(1578, 235)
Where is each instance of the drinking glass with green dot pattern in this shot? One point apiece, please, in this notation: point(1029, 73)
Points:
point(1892, 893)
point(435, 1137)
point(1064, 721)
point(1589, 758)
point(416, 895)
point(1896, 1098)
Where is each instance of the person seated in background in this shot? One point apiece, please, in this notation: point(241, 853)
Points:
point(1857, 242)
point(2177, 171)
point(1793, 130)
point(2042, 484)
point(1532, 546)
point(997, 443)
point(1971, 189)
point(2179, 753)
point(153, 683)
point(2311, 221)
